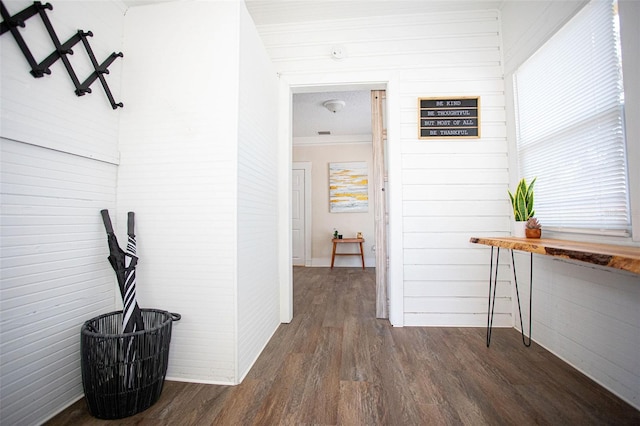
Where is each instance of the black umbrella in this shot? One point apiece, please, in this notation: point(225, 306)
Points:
point(124, 265)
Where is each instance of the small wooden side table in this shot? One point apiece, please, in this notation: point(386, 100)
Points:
point(337, 241)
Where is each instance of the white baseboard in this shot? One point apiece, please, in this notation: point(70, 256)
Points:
point(343, 262)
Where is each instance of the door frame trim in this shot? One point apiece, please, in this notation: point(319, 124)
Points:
point(390, 82)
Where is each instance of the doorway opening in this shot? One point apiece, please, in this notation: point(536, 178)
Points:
point(320, 136)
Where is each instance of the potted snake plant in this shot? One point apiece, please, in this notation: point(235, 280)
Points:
point(522, 203)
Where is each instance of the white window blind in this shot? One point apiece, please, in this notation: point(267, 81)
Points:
point(570, 129)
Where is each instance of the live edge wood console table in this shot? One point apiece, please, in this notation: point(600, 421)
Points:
point(337, 241)
point(620, 257)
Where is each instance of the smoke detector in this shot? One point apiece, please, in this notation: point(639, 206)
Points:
point(338, 52)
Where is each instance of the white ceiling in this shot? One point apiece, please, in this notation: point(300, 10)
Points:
point(265, 12)
point(309, 116)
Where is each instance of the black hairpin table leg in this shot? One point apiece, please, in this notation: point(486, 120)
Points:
point(493, 284)
point(515, 280)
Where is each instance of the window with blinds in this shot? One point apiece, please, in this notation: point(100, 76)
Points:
point(570, 129)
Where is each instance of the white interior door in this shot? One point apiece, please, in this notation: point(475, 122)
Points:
point(298, 216)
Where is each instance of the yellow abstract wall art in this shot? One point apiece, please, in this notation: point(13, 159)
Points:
point(348, 187)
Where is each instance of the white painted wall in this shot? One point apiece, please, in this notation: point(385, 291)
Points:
point(441, 192)
point(59, 165)
point(178, 172)
point(323, 222)
point(258, 286)
point(198, 166)
point(588, 316)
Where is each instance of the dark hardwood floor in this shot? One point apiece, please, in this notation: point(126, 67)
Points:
point(337, 364)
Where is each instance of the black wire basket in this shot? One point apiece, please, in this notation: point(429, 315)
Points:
point(123, 373)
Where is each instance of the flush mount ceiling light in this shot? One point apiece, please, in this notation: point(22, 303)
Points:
point(334, 105)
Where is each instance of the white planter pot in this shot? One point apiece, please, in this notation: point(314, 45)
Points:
point(518, 229)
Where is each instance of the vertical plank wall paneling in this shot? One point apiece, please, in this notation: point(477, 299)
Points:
point(258, 290)
point(451, 189)
point(59, 166)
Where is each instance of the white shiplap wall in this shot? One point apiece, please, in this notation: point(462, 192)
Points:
point(178, 173)
point(588, 316)
point(258, 289)
point(55, 274)
point(59, 167)
point(198, 166)
point(451, 189)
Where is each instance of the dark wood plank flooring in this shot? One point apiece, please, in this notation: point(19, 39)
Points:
point(336, 364)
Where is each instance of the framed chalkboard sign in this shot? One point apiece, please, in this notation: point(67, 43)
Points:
point(449, 117)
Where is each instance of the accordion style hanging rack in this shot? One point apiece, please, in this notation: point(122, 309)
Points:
point(11, 24)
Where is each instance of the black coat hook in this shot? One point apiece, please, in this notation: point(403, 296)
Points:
point(62, 50)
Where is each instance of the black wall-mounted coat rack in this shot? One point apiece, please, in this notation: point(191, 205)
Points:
point(11, 24)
